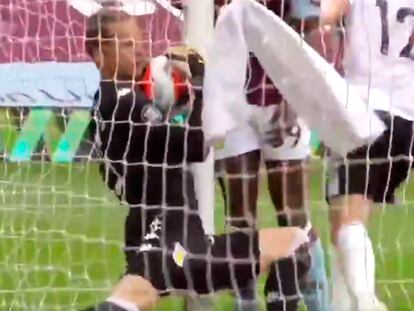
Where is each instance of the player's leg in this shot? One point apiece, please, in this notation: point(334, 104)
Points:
point(240, 179)
point(242, 192)
point(285, 262)
point(353, 267)
point(239, 183)
point(231, 261)
point(369, 175)
point(353, 254)
point(286, 151)
point(288, 188)
point(280, 193)
point(237, 168)
point(354, 260)
point(241, 256)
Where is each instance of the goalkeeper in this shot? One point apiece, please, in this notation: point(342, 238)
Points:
point(145, 161)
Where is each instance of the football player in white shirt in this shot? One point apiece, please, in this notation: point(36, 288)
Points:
point(277, 136)
point(379, 61)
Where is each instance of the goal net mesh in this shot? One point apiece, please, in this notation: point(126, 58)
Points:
point(61, 230)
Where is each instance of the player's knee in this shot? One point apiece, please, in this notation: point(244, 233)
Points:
point(347, 210)
point(136, 290)
point(286, 185)
point(277, 243)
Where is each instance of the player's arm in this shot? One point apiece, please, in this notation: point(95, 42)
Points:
point(146, 132)
point(332, 11)
point(139, 134)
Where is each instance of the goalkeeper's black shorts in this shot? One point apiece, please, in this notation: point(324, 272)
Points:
point(176, 255)
point(377, 170)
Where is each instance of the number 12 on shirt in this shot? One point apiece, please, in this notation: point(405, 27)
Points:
point(401, 16)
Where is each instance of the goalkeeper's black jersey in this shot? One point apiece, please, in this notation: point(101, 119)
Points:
point(145, 158)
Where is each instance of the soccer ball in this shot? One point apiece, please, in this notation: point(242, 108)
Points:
point(169, 84)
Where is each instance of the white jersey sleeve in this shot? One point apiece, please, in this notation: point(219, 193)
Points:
point(327, 104)
point(379, 59)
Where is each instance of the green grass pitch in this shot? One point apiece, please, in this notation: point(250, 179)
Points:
point(61, 238)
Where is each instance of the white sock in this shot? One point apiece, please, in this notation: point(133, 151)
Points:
point(341, 299)
point(128, 306)
point(357, 259)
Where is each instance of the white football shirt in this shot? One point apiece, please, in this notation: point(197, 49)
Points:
point(379, 59)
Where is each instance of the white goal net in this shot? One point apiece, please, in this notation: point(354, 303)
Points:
point(61, 230)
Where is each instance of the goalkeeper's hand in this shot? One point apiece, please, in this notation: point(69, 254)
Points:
point(283, 124)
point(189, 62)
point(191, 65)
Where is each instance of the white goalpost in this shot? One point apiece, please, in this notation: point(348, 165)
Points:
point(199, 25)
point(198, 31)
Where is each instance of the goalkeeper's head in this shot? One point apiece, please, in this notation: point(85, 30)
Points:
point(114, 42)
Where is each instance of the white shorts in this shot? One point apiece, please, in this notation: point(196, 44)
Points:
point(251, 136)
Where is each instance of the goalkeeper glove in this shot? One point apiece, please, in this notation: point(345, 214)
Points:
point(191, 64)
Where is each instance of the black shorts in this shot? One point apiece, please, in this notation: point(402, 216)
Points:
point(175, 254)
point(378, 169)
